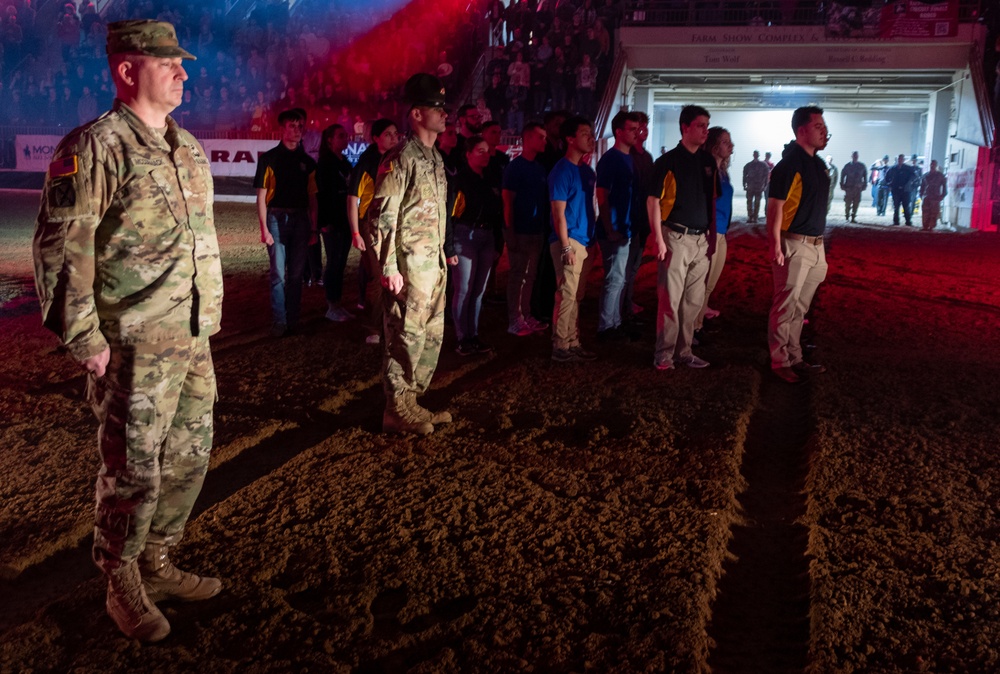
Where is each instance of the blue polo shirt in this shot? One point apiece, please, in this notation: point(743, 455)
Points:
point(615, 173)
point(574, 185)
point(724, 204)
point(526, 179)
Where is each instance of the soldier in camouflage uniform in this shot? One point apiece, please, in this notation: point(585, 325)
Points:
point(409, 214)
point(853, 179)
point(128, 274)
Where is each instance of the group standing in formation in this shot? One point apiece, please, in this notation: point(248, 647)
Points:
point(128, 271)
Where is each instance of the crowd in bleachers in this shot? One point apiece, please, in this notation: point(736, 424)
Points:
point(53, 70)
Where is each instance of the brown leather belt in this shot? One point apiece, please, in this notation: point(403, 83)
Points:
point(814, 240)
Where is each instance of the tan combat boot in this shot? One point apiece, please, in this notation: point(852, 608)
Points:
point(162, 580)
point(400, 417)
point(425, 414)
point(136, 616)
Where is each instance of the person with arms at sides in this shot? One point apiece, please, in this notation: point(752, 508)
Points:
point(385, 136)
point(129, 278)
point(333, 172)
point(615, 185)
point(476, 217)
point(853, 179)
point(642, 161)
point(720, 146)
point(933, 190)
point(571, 193)
point(526, 219)
point(286, 212)
point(409, 221)
point(681, 209)
point(796, 222)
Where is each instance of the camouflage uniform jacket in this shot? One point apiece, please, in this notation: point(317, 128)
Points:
point(854, 176)
point(410, 209)
point(934, 186)
point(755, 175)
point(125, 248)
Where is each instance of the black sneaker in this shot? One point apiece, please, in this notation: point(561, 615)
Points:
point(466, 348)
point(480, 346)
point(611, 335)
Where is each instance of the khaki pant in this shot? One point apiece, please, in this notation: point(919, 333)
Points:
point(571, 285)
point(154, 404)
point(795, 283)
point(715, 264)
point(680, 292)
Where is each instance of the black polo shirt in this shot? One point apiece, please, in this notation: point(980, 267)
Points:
point(289, 176)
point(686, 184)
point(801, 181)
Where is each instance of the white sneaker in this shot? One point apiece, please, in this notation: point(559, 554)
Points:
point(338, 315)
point(712, 313)
point(520, 328)
point(373, 339)
point(695, 362)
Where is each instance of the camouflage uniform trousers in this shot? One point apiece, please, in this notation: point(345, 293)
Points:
point(414, 331)
point(852, 199)
point(154, 405)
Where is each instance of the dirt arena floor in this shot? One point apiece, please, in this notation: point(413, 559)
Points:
point(598, 517)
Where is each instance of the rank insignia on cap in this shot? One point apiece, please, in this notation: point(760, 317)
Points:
point(60, 168)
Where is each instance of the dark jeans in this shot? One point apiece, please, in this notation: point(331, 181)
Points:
point(883, 199)
point(290, 230)
point(901, 198)
point(338, 245)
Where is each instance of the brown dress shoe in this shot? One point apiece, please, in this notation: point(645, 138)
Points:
point(787, 375)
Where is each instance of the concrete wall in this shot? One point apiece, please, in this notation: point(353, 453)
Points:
point(872, 134)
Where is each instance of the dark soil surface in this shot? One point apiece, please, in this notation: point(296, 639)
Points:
point(600, 517)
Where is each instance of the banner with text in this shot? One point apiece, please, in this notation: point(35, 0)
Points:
point(228, 157)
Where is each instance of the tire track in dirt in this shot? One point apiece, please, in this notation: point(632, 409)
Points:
point(761, 614)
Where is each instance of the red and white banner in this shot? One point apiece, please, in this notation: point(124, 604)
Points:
point(919, 19)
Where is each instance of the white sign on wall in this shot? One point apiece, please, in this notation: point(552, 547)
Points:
point(34, 153)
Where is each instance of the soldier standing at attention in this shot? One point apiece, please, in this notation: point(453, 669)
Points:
point(128, 274)
point(796, 221)
point(409, 216)
point(755, 174)
point(933, 189)
point(853, 179)
point(287, 211)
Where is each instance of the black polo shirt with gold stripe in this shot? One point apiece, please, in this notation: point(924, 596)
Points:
point(686, 184)
point(802, 182)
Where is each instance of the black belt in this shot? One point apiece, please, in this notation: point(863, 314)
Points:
point(287, 210)
point(681, 229)
point(475, 225)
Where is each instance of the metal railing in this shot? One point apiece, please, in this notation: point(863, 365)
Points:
point(742, 13)
point(609, 99)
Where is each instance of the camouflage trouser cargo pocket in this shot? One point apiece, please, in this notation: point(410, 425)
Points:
point(154, 406)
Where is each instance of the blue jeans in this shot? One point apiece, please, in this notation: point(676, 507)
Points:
point(337, 242)
point(475, 249)
point(290, 230)
point(615, 255)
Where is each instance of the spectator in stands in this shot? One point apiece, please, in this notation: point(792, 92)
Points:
point(586, 87)
point(495, 97)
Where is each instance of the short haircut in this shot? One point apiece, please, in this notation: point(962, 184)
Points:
point(618, 121)
point(380, 125)
point(487, 125)
point(291, 115)
point(642, 117)
point(802, 116)
point(689, 113)
point(472, 141)
point(464, 109)
point(572, 124)
point(552, 115)
point(531, 126)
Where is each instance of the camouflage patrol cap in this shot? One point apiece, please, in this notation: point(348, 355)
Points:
point(145, 36)
point(424, 90)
